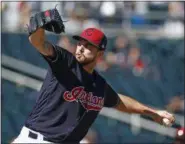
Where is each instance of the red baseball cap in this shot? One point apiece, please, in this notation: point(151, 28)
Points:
point(94, 36)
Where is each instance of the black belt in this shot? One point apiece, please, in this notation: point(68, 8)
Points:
point(35, 136)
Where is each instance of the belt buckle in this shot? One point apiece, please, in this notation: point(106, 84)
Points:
point(35, 136)
point(32, 135)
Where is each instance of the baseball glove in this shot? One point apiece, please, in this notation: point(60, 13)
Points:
point(49, 20)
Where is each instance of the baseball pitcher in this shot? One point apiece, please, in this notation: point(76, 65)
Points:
point(73, 93)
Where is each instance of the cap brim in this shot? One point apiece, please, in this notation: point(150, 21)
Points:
point(76, 37)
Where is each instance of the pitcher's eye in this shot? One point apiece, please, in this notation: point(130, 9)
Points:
point(79, 44)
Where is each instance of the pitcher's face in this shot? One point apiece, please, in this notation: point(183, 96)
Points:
point(86, 53)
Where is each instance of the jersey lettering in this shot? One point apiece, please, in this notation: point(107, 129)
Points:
point(87, 99)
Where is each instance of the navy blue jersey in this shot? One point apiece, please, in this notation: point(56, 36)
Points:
point(69, 100)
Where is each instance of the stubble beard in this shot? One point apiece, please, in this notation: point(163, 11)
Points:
point(86, 62)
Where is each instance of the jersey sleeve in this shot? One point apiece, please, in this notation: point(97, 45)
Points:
point(111, 97)
point(62, 58)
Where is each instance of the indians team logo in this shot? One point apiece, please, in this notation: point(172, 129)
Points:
point(87, 99)
point(89, 32)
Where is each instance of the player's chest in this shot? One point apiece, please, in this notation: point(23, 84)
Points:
point(90, 99)
point(87, 91)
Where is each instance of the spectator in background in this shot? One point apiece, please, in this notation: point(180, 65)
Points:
point(133, 56)
point(90, 22)
point(4, 7)
point(73, 25)
point(176, 9)
point(68, 7)
point(64, 42)
point(125, 56)
point(79, 19)
point(25, 13)
point(135, 62)
point(11, 16)
point(118, 55)
point(174, 25)
point(111, 13)
point(139, 11)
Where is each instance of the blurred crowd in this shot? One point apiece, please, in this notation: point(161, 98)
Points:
point(124, 54)
point(79, 15)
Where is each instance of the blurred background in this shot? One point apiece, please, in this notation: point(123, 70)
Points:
point(144, 60)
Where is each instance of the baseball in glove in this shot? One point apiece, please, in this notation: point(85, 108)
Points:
point(49, 20)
